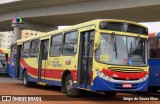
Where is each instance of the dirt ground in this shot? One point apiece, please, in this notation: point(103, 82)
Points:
point(9, 86)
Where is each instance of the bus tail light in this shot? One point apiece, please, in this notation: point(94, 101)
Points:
point(102, 75)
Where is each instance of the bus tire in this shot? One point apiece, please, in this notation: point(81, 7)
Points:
point(26, 83)
point(70, 91)
point(110, 93)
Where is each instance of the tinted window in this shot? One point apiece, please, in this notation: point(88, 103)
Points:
point(56, 45)
point(124, 27)
point(154, 44)
point(111, 26)
point(26, 49)
point(70, 43)
point(34, 48)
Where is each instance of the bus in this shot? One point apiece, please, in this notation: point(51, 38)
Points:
point(4, 59)
point(154, 62)
point(103, 55)
point(11, 69)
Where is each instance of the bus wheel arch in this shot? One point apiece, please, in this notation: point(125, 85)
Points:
point(26, 83)
point(64, 75)
point(69, 89)
point(67, 84)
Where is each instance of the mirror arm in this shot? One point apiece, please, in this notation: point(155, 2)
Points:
point(96, 40)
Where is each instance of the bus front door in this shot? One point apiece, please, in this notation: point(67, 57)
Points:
point(43, 59)
point(85, 59)
point(17, 63)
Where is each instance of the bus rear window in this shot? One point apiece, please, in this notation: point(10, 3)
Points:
point(124, 27)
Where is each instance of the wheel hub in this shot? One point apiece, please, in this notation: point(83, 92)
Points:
point(69, 86)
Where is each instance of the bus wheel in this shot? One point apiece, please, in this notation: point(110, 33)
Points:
point(26, 83)
point(110, 93)
point(70, 91)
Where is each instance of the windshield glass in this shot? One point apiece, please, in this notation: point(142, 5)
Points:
point(121, 50)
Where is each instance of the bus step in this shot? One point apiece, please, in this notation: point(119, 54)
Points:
point(42, 83)
point(18, 78)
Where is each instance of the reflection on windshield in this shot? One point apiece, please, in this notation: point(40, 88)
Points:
point(128, 50)
point(136, 50)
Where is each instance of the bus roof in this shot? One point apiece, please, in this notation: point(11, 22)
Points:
point(89, 23)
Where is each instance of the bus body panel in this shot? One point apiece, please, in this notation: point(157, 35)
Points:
point(154, 72)
point(103, 85)
point(154, 60)
point(54, 67)
point(11, 71)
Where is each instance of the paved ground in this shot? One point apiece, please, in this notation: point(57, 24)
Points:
point(9, 86)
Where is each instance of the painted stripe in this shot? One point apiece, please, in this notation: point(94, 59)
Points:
point(1, 51)
point(8, 59)
point(152, 34)
point(124, 75)
point(50, 74)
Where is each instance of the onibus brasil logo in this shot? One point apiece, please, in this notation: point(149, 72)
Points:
point(17, 20)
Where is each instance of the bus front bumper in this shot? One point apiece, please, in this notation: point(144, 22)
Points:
point(100, 84)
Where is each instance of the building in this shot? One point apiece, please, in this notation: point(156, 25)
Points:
point(6, 38)
point(1, 35)
point(29, 33)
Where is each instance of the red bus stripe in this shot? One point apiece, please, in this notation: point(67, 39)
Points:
point(50, 73)
point(124, 75)
point(1, 51)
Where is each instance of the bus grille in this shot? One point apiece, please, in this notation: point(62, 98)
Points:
point(126, 70)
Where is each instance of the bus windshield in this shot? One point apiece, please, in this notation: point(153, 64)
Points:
point(121, 50)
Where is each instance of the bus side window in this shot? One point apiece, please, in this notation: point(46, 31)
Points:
point(70, 43)
point(153, 47)
point(56, 45)
point(26, 49)
point(34, 48)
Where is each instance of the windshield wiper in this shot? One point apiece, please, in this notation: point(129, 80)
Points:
point(114, 43)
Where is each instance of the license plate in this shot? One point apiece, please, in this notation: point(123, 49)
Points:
point(126, 85)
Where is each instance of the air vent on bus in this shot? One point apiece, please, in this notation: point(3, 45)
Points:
point(126, 70)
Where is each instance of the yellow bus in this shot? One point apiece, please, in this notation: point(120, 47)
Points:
point(4, 58)
point(104, 55)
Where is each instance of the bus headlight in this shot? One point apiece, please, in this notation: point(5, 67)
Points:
point(144, 78)
point(102, 75)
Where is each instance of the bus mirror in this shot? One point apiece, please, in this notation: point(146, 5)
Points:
point(96, 42)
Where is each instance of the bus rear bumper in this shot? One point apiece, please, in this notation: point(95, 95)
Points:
point(103, 85)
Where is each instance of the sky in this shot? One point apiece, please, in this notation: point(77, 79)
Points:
point(152, 26)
